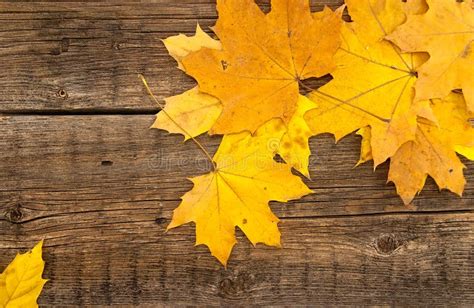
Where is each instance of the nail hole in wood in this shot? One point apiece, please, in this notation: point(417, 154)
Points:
point(160, 220)
point(62, 94)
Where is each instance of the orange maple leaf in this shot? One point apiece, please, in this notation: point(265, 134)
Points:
point(433, 152)
point(446, 32)
point(264, 57)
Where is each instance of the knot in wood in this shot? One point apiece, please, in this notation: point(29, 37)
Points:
point(116, 45)
point(232, 287)
point(14, 214)
point(387, 244)
point(226, 286)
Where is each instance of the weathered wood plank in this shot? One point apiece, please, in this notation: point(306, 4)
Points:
point(94, 188)
point(60, 165)
point(86, 56)
point(101, 188)
point(126, 258)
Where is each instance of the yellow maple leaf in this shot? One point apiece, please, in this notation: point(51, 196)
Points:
point(433, 152)
point(192, 112)
point(466, 151)
point(446, 32)
point(365, 147)
point(372, 83)
point(294, 145)
point(196, 112)
point(237, 193)
point(21, 282)
point(179, 46)
point(264, 57)
point(415, 7)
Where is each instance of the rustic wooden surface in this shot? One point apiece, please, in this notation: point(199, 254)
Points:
point(80, 168)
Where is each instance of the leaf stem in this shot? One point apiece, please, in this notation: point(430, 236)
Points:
point(162, 107)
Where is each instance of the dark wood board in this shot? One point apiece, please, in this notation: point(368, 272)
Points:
point(80, 168)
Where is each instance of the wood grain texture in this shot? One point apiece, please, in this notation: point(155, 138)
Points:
point(80, 168)
point(85, 57)
point(101, 190)
point(404, 260)
point(108, 161)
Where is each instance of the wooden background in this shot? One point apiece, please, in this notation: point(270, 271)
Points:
point(80, 168)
